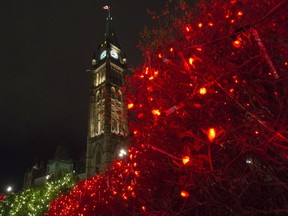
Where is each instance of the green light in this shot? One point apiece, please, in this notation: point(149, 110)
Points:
point(35, 201)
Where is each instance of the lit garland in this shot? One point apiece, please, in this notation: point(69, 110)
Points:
point(209, 119)
point(35, 201)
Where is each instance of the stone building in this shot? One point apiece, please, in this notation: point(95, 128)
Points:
point(60, 164)
point(107, 124)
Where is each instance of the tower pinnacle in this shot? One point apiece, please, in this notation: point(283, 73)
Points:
point(110, 35)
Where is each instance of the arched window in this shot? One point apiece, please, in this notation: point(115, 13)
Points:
point(101, 112)
point(97, 79)
point(120, 111)
point(119, 79)
point(100, 95)
point(97, 96)
point(120, 96)
point(103, 76)
point(98, 156)
point(102, 118)
point(112, 92)
point(92, 122)
point(113, 110)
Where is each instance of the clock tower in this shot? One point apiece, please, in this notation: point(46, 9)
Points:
point(107, 123)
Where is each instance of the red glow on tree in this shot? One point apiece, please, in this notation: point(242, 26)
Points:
point(203, 91)
point(130, 106)
point(191, 60)
point(184, 194)
point(140, 115)
point(211, 134)
point(156, 112)
point(188, 28)
point(234, 139)
point(237, 43)
point(185, 159)
point(240, 13)
point(150, 88)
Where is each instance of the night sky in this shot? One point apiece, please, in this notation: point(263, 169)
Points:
point(45, 49)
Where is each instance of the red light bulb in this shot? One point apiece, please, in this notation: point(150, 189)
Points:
point(237, 43)
point(184, 194)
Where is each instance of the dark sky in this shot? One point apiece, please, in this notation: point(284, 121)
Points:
point(45, 49)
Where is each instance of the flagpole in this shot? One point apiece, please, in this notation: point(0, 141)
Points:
point(106, 7)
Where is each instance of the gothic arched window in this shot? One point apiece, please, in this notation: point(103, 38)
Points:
point(114, 116)
point(112, 92)
point(120, 96)
point(121, 114)
point(103, 76)
point(98, 157)
point(97, 79)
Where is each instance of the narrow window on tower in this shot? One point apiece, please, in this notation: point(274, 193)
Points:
point(97, 97)
point(92, 121)
point(100, 76)
point(120, 112)
point(98, 157)
point(96, 113)
point(97, 79)
point(113, 111)
point(120, 96)
point(113, 93)
point(103, 76)
point(101, 113)
point(102, 119)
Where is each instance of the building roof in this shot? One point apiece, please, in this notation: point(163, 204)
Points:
point(61, 153)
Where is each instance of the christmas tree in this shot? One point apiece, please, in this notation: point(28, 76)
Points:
point(208, 120)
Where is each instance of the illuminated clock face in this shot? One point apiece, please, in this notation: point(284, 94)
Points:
point(114, 54)
point(103, 55)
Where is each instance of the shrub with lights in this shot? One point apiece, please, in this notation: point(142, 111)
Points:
point(209, 111)
point(35, 201)
point(108, 194)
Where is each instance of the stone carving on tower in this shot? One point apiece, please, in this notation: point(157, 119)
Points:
point(107, 123)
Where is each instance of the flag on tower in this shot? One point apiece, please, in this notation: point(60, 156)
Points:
point(106, 7)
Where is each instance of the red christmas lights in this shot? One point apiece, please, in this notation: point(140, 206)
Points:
point(184, 194)
point(194, 153)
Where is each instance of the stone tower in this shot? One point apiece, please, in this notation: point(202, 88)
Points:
point(107, 123)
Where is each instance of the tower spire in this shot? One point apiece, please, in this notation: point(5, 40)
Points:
point(110, 35)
